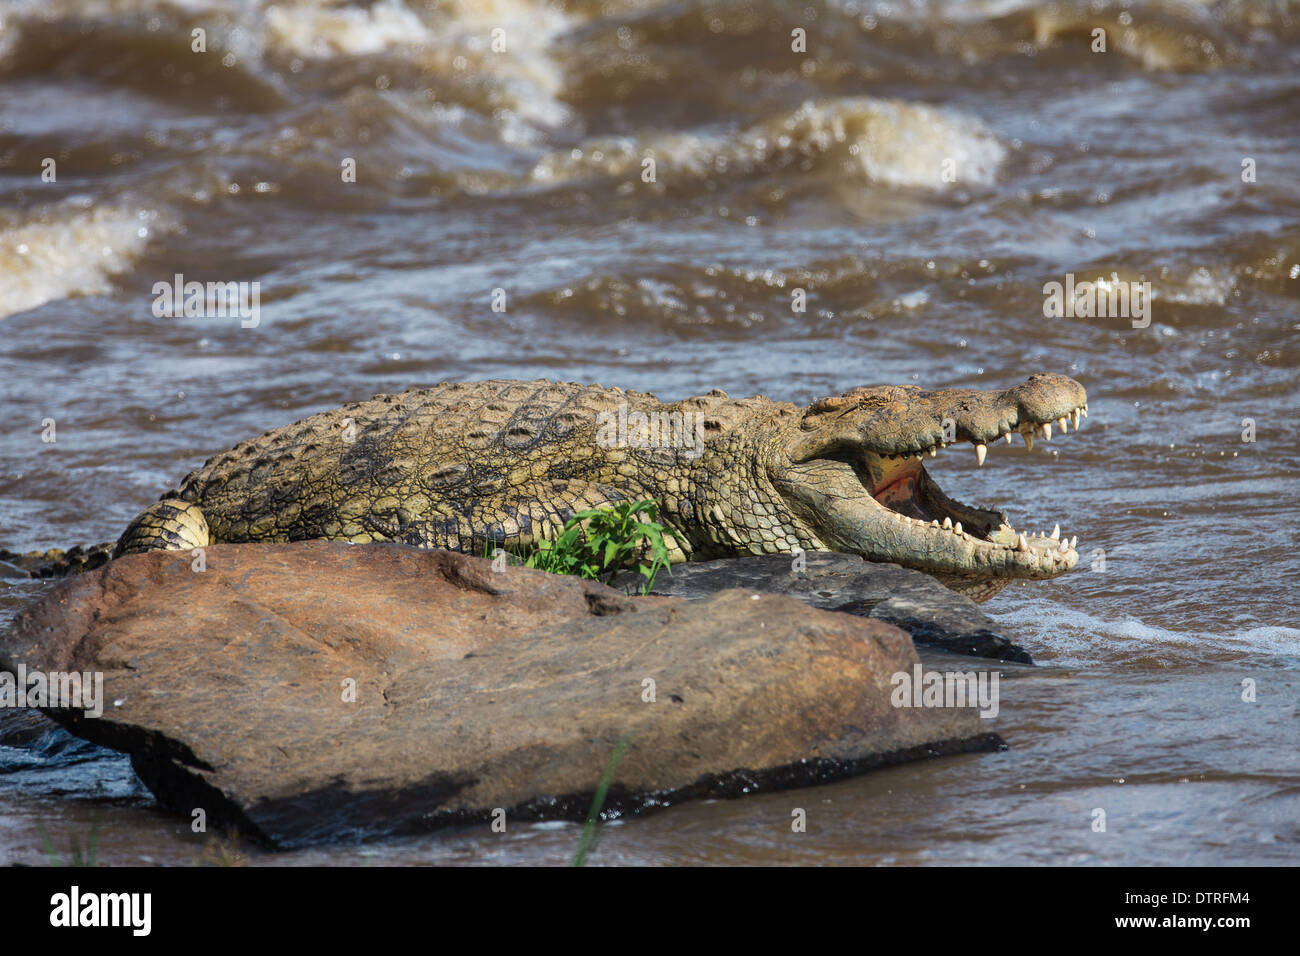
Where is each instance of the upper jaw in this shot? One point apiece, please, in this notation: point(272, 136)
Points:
point(907, 421)
point(999, 421)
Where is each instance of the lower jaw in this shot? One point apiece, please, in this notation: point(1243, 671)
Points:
point(913, 494)
point(824, 494)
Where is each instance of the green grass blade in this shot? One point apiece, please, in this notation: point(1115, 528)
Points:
point(598, 800)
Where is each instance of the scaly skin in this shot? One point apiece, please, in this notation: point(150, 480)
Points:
point(460, 465)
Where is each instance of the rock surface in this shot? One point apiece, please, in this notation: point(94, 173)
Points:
point(474, 690)
point(914, 601)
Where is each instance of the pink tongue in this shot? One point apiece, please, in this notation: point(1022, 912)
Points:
point(900, 495)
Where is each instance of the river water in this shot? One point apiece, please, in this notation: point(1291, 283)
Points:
point(920, 171)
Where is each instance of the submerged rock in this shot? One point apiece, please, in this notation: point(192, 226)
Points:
point(914, 601)
point(55, 563)
point(317, 690)
point(23, 727)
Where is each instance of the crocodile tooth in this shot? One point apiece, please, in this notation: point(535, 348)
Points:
point(980, 452)
point(1007, 436)
point(1056, 531)
point(957, 528)
point(1047, 431)
point(1074, 419)
point(1084, 409)
point(1064, 423)
point(947, 522)
point(933, 451)
point(1029, 440)
point(1073, 542)
point(1021, 543)
point(934, 523)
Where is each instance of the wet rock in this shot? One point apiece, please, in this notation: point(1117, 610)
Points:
point(22, 727)
point(38, 755)
point(55, 563)
point(316, 690)
point(914, 601)
point(12, 571)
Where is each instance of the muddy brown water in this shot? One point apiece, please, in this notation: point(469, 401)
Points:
point(825, 171)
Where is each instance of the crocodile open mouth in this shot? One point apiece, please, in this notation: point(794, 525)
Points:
point(900, 483)
point(853, 476)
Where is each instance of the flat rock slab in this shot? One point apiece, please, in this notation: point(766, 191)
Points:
point(23, 727)
point(914, 601)
point(316, 690)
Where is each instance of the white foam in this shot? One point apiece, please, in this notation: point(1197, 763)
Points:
point(443, 39)
point(1201, 286)
point(67, 251)
point(1080, 639)
point(454, 38)
point(889, 142)
point(324, 32)
point(912, 300)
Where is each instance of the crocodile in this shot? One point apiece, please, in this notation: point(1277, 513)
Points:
point(466, 465)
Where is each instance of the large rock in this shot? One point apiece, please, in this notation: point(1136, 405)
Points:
point(914, 601)
point(474, 689)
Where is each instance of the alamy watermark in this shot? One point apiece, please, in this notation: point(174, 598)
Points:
point(922, 688)
point(635, 429)
point(129, 910)
point(208, 300)
point(1112, 298)
point(64, 690)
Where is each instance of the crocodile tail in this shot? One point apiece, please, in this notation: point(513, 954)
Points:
point(168, 525)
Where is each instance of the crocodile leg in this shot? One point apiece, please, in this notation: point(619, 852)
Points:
point(168, 525)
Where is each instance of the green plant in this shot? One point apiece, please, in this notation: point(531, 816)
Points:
point(601, 541)
point(223, 849)
point(89, 857)
point(587, 842)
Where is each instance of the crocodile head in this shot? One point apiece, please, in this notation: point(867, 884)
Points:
point(853, 472)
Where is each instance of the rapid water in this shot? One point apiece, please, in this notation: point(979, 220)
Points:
point(522, 171)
